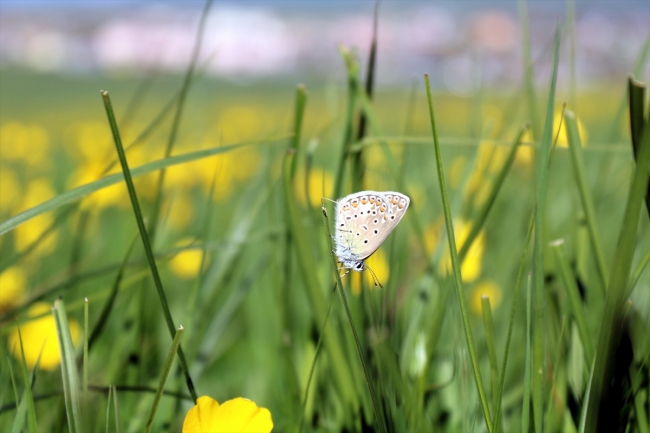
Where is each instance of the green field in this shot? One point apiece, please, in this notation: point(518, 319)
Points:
point(243, 253)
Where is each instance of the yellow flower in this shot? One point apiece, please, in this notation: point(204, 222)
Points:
point(320, 183)
point(187, 263)
point(378, 263)
point(471, 267)
point(10, 191)
point(179, 211)
point(489, 289)
point(105, 197)
point(24, 142)
point(236, 415)
point(37, 191)
point(12, 287)
point(40, 335)
point(562, 138)
point(239, 123)
point(489, 160)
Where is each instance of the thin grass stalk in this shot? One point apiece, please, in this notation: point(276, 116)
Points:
point(613, 316)
point(375, 402)
point(479, 222)
point(108, 408)
point(490, 340)
point(352, 67)
point(317, 302)
point(585, 196)
point(456, 264)
point(636, 92)
point(511, 322)
point(85, 352)
point(116, 407)
point(538, 259)
point(299, 114)
point(145, 239)
point(529, 74)
point(82, 191)
point(525, 413)
point(71, 388)
point(27, 394)
point(575, 303)
point(634, 278)
point(187, 80)
point(20, 405)
point(167, 366)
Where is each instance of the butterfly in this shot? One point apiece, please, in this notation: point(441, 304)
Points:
point(363, 221)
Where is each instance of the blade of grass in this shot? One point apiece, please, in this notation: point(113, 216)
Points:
point(529, 74)
point(85, 353)
point(575, 303)
point(108, 407)
point(82, 191)
point(479, 221)
point(525, 413)
point(585, 196)
point(613, 316)
point(27, 394)
point(490, 340)
point(375, 403)
point(299, 113)
point(116, 407)
point(456, 265)
point(20, 404)
point(538, 259)
point(637, 272)
point(178, 114)
point(636, 92)
point(513, 310)
point(317, 302)
point(145, 239)
point(71, 388)
point(167, 366)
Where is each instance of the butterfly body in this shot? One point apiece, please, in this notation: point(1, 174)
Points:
point(363, 221)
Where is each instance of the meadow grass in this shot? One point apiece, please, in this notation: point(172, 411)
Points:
point(537, 223)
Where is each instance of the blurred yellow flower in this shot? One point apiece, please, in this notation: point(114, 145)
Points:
point(378, 263)
point(92, 141)
point(187, 263)
point(105, 197)
point(25, 142)
point(238, 123)
point(40, 335)
point(37, 191)
point(471, 267)
point(489, 289)
point(489, 160)
point(236, 415)
point(456, 171)
point(179, 211)
point(376, 154)
point(10, 191)
point(12, 287)
point(232, 167)
point(319, 184)
point(562, 138)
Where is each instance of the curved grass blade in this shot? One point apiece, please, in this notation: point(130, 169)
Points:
point(145, 239)
point(456, 265)
point(636, 91)
point(525, 416)
point(82, 191)
point(28, 398)
point(490, 340)
point(614, 314)
point(71, 389)
point(585, 196)
point(538, 259)
point(167, 366)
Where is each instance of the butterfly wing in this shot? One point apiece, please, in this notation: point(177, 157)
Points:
point(364, 220)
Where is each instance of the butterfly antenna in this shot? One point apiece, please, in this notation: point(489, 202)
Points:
point(374, 276)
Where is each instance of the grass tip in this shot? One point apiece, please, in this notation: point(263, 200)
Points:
point(556, 242)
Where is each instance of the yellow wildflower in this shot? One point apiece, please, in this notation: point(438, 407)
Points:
point(472, 265)
point(179, 211)
point(38, 191)
point(105, 197)
point(239, 123)
point(562, 137)
point(320, 183)
point(10, 191)
point(25, 142)
point(40, 338)
point(187, 263)
point(12, 287)
point(489, 160)
point(489, 289)
point(236, 415)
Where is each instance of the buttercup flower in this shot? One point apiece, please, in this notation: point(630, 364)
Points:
point(236, 415)
point(472, 265)
point(12, 287)
point(40, 335)
point(562, 137)
point(10, 191)
point(379, 265)
point(187, 263)
point(320, 183)
point(489, 289)
point(25, 142)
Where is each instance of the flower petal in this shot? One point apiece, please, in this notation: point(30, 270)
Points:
point(236, 415)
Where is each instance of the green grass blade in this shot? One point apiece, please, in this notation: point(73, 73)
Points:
point(585, 196)
point(108, 408)
point(306, 267)
point(634, 279)
point(299, 114)
point(28, 397)
point(490, 340)
point(575, 303)
point(479, 221)
point(145, 239)
point(85, 353)
point(20, 404)
point(371, 389)
point(82, 191)
point(538, 260)
point(613, 316)
point(116, 407)
point(636, 92)
point(525, 413)
point(583, 413)
point(71, 388)
point(167, 366)
point(529, 73)
point(456, 265)
point(511, 322)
